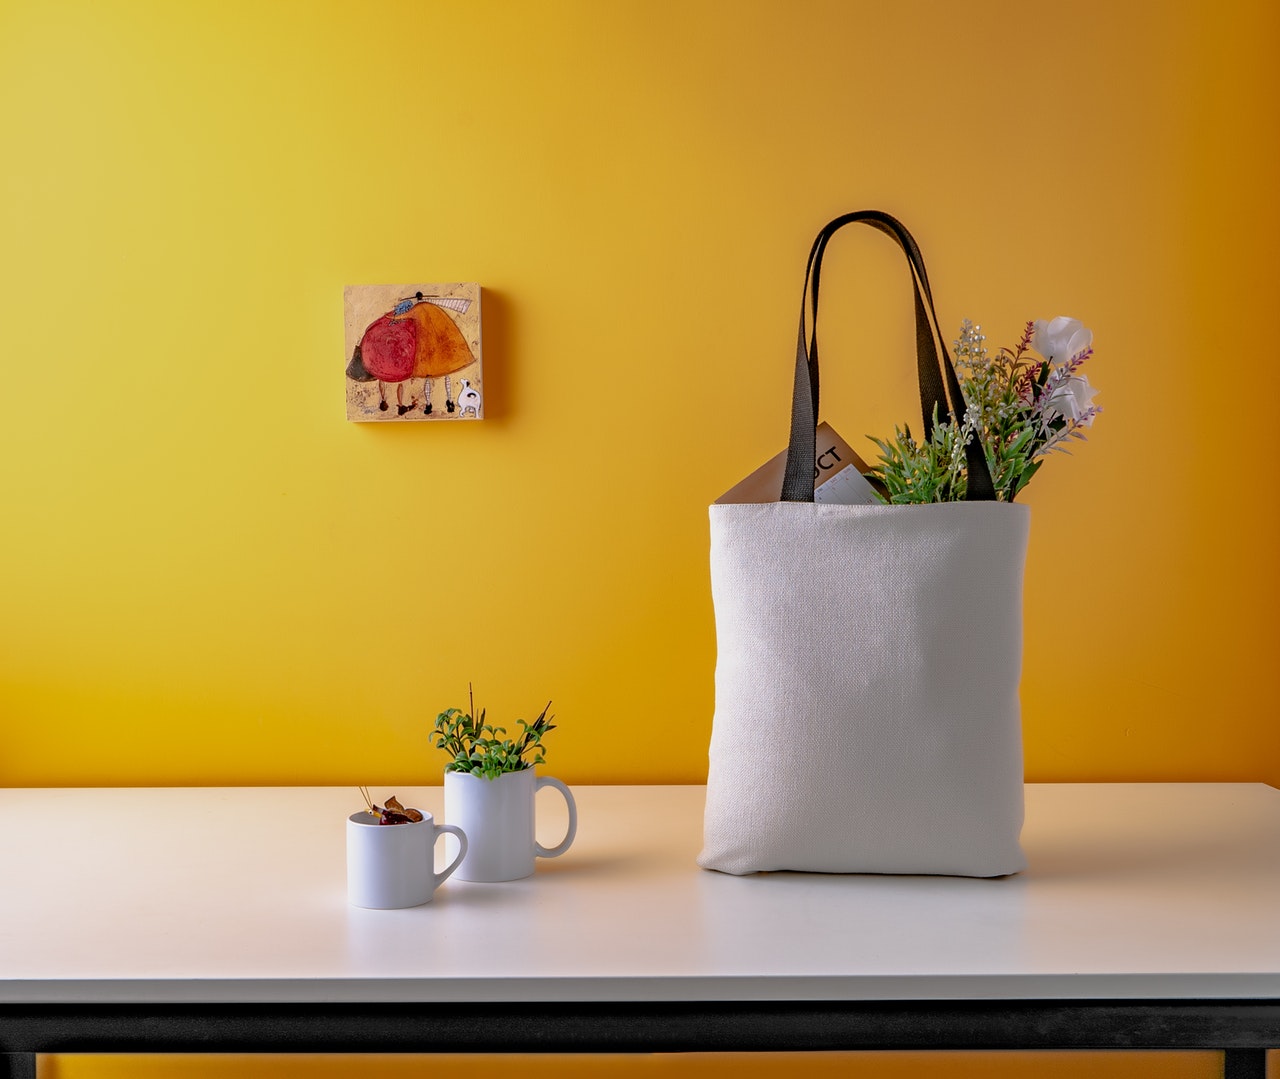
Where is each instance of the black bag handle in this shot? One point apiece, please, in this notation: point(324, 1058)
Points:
point(935, 372)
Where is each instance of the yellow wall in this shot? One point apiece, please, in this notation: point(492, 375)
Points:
point(209, 576)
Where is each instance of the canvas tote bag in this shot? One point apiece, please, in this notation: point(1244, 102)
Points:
point(866, 687)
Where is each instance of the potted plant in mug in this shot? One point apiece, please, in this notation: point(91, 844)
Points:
point(390, 859)
point(489, 790)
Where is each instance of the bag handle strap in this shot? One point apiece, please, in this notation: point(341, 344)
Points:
point(935, 372)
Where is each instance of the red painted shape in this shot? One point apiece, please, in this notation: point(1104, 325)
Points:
point(389, 348)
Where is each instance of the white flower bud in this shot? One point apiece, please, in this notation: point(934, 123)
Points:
point(1060, 339)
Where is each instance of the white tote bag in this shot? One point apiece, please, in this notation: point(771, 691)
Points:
point(867, 716)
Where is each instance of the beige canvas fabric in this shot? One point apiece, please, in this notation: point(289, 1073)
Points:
point(867, 716)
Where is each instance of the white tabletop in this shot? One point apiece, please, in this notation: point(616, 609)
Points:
point(238, 894)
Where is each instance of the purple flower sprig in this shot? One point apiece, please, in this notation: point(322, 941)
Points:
point(1064, 405)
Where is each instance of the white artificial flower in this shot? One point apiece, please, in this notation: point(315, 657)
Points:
point(1061, 338)
point(1072, 400)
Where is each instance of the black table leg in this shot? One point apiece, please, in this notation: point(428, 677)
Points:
point(1244, 1064)
point(17, 1066)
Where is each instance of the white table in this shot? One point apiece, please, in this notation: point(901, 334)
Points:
point(215, 919)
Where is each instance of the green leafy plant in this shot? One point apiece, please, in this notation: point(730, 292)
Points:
point(1024, 403)
point(482, 749)
point(929, 471)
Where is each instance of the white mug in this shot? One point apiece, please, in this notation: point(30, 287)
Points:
point(498, 817)
point(393, 865)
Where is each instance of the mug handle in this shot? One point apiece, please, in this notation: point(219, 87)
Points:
point(452, 829)
point(556, 851)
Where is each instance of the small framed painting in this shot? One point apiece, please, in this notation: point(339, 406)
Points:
point(413, 352)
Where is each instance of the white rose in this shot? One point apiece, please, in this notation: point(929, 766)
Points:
point(1072, 400)
point(1061, 338)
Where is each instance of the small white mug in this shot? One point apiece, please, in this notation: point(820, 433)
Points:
point(393, 865)
point(498, 817)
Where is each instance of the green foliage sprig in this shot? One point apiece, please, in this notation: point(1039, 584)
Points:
point(1022, 406)
point(485, 750)
point(928, 471)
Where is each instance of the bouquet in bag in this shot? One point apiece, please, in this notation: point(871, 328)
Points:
point(1023, 403)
